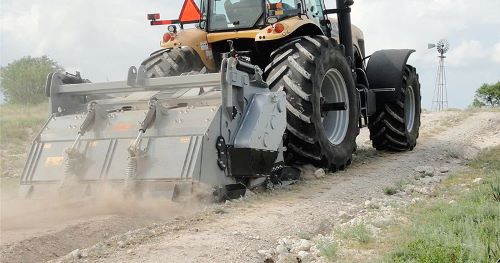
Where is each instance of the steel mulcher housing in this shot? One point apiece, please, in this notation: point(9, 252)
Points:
point(166, 135)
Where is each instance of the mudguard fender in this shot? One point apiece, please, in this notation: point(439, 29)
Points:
point(385, 73)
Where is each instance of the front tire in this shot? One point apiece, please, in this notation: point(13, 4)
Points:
point(314, 71)
point(396, 125)
point(172, 62)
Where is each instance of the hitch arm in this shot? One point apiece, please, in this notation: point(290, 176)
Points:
point(87, 123)
point(134, 149)
point(73, 158)
point(145, 125)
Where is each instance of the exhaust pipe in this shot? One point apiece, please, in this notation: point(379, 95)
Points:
point(345, 32)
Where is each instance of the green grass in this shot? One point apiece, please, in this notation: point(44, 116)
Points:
point(465, 231)
point(390, 190)
point(19, 122)
point(397, 187)
point(304, 235)
point(328, 250)
point(18, 126)
point(359, 233)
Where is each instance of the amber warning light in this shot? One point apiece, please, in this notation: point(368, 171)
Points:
point(153, 17)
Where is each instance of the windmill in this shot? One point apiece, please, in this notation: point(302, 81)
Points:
point(440, 99)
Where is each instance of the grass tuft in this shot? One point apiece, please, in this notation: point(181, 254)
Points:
point(328, 250)
point(464, 232)
point(19, 122)
point(392, 190)
point(359, 233)
point(304, 235)
point(495, 190)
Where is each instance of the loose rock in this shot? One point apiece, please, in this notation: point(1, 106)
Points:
point(425, 170)
point(320, 173)
point(281, 249)
point(477, 180)
point(77, 254)
point(304, 255)
point(301, 245)
point(266, 253)
point(444, 169)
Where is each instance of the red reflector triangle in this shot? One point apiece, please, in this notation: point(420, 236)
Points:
point(190, 12)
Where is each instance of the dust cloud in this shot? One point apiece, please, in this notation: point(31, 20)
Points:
point(23, 218)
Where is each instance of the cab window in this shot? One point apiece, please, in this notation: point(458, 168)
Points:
point(235, 14)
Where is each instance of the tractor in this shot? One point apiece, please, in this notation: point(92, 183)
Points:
point(241, 94)
point(318, 60)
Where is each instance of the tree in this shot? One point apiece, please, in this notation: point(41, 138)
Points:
point(488, 94)
point(23, 81)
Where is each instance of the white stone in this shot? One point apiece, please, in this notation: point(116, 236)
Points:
point(281, 249)
point(305, 245)
point(265, 253)
point(76, 253)
point(285, 258)
point(477, 180)
point(320, 173)
point(301, 245)
point(452, 202)
point(304, 255)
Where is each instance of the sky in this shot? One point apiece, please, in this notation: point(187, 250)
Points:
point(102, 39)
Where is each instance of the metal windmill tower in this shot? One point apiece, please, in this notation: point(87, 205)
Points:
point(440, 99)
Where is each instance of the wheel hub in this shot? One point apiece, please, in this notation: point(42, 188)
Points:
point(334, 92)
point(409, 108)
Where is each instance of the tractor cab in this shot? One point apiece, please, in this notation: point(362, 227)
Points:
point(232, 15)
point(254, 27)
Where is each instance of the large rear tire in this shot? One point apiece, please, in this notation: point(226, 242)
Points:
point(314, 71)
point(172, 62)
point(396, 125)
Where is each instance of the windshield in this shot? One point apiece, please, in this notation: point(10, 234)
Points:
point(235, 14)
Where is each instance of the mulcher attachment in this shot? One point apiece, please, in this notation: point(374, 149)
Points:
point(160, 136)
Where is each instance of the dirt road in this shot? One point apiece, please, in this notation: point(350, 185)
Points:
point(249, 229)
